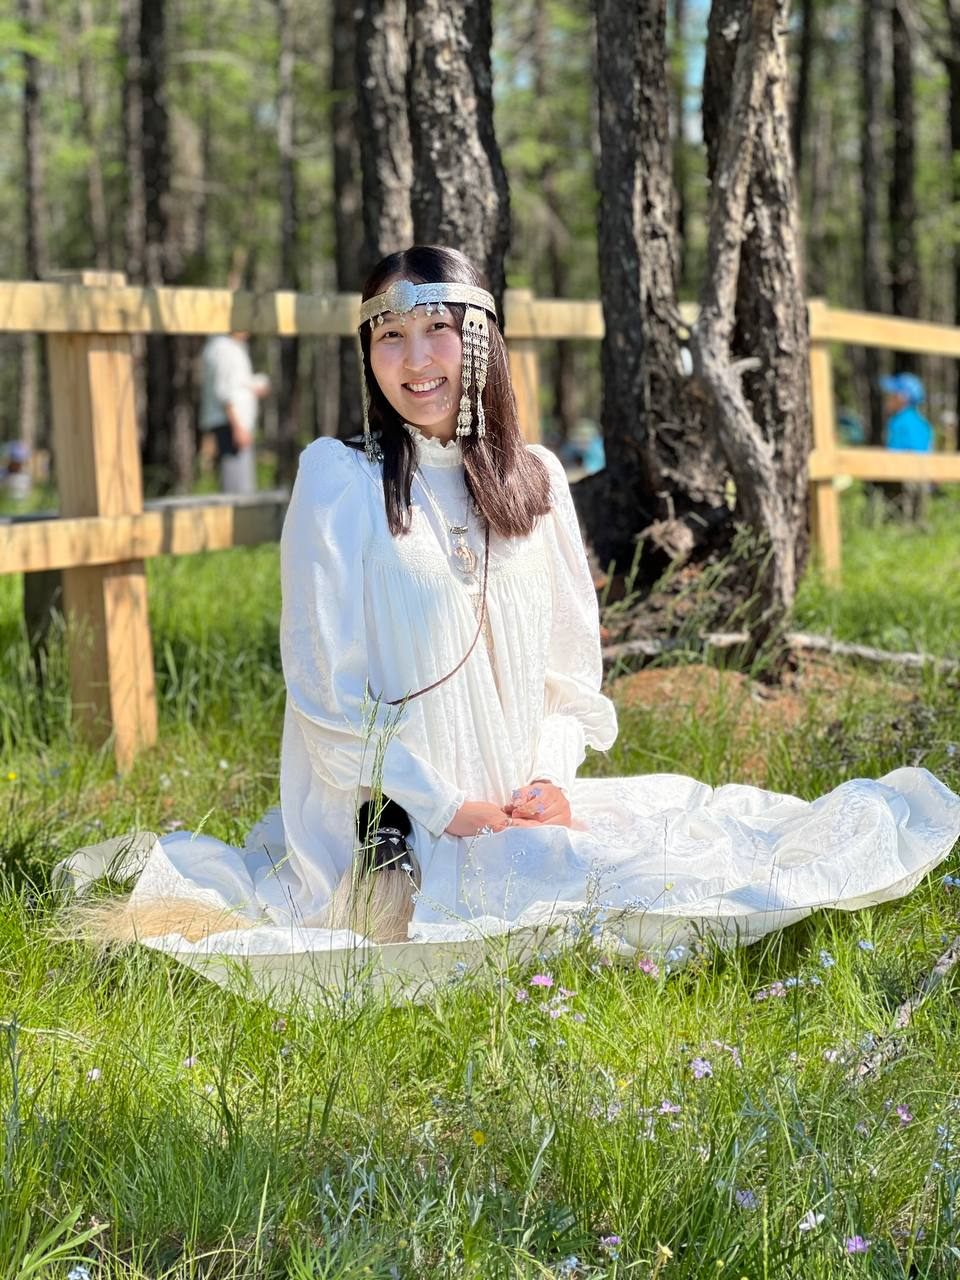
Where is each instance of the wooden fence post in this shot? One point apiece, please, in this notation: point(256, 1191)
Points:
point(97, 461)
point(824, 500)
point(525, 374)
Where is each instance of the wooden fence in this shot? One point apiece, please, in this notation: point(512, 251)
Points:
point(105, 532)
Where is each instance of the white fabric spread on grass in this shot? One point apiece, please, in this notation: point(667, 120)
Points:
point(653, 861)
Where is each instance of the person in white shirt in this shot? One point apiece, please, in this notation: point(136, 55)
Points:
point(230, 397)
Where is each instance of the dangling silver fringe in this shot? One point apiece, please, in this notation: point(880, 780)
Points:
point(371, 447)
point(476, 347)
point(481, 355)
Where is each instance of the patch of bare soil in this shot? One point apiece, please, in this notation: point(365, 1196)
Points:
point(757, 712)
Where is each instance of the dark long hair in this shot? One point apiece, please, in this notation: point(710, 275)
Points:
point(509, 484)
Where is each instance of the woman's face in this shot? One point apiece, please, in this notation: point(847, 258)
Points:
point(417, 367)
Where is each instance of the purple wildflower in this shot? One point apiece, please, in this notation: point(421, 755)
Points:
point(745, 1199)
point(649, 967)
point(668, 1108)
point(541, 980)
point(856, 1244)
point(866, 945)
point(521, 995)
point(701, 1068)
point(189, 1062)
point(905, 1114)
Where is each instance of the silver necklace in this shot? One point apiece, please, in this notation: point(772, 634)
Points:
point(464, 558)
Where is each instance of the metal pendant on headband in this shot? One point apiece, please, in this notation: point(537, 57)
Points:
point(476, 349)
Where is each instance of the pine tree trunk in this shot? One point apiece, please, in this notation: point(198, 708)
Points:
point(801, 102)
point(96, 198)
point(674, 442)
point(904, 265)
point(382, 63)
point(871, 167)
point(562, 372)
point(771, 315)
point(952, 9)
point(459, 195)
point(664, 478)
point(288, 399)
point(681, 177)
point(822, 151)
point(32, 428)
point(347, 218)
point(134, 224)
point(152, 41)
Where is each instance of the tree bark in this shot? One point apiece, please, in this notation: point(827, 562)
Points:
point(681, 177)
point(801, 102)
point(952, 60)
point(904, 264)
point(347, 218)
point(562, 374)
point(664, 479)
point(155, 153)
point(32, 428)
point(288, 399)
point(752, 303)
point(871, 167)
point(96, 198)
point(382, 62)
point(134, 223)
point(460, 195)
point(770, 311)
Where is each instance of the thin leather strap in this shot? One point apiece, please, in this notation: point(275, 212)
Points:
point(395, 702)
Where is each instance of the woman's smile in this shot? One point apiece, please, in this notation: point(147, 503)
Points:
point(422, 390)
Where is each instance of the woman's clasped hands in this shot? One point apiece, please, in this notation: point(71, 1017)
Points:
point(534, 805)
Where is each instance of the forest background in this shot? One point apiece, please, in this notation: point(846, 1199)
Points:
point(259, 98)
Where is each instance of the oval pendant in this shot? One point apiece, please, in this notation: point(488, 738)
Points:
point(465, 560)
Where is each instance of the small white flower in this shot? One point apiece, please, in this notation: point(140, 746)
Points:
point(94, 1073)
point(78, 1273)
point(810, 1221)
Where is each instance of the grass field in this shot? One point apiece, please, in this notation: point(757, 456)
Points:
point(701, 1123)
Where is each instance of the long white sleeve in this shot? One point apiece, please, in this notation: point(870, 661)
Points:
point(323, 641)
point(575, 713)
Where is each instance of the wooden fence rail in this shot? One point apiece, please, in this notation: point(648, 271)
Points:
point(105, 532)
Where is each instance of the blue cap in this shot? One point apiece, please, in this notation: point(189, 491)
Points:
point(907, 385)
point(17, 451)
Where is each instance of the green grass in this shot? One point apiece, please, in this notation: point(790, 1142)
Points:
point(902, 584)
point(190, 1134)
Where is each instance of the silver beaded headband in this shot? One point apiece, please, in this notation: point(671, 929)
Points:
point(400, 299)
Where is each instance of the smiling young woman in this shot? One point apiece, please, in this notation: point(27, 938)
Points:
point(441, 652)
point(508, 482)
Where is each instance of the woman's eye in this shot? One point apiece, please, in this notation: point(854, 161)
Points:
point(440, 324)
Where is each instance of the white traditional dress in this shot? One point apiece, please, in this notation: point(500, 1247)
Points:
point(652, 862)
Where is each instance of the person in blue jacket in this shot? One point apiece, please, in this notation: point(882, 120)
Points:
point(908, 430)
